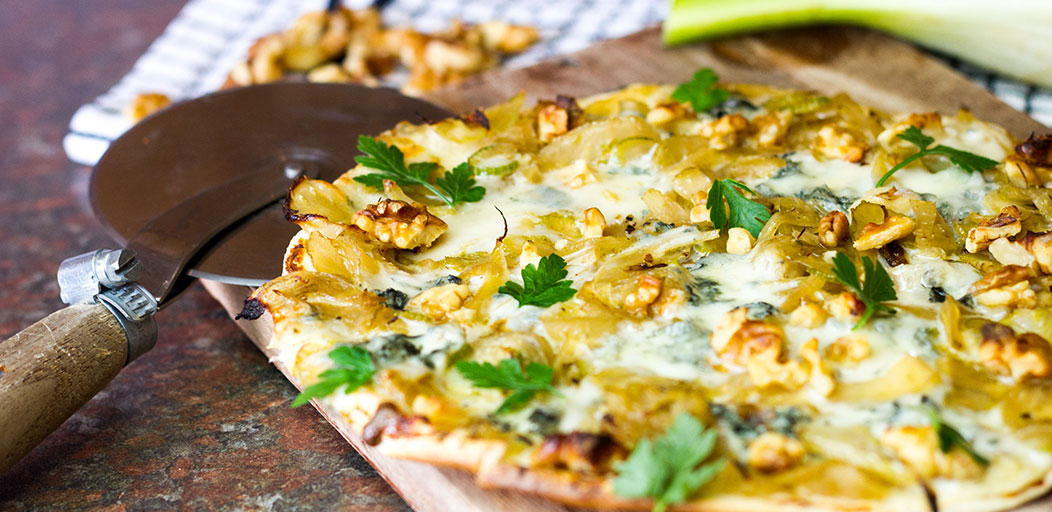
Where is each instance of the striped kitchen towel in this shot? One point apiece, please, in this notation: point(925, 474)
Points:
point(208, 37)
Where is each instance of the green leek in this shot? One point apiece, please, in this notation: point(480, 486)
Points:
point(1012, 37)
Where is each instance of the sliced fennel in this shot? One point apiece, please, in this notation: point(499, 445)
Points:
point(1012, 37)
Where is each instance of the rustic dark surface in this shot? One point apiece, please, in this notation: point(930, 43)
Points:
point(202, 421)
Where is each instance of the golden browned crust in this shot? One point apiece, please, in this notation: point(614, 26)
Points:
point(412, 438)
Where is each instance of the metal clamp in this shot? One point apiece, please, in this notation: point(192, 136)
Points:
point(107, 276)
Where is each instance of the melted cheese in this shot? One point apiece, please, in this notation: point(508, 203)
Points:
point(675, 344)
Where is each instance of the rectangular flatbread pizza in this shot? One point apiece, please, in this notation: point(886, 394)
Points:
point(708, 297)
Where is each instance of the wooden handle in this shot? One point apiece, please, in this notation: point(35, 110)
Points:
point(52, 368)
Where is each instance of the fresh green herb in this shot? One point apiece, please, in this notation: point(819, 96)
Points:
point(456, 186)
point(950, 437)
point(460, 185)
point(667, 469)
point(542, 285)
point(508, 375)
point(970, 162)
point(729, 208)
point(877, 289)
point(700, 91)
point(354, 369)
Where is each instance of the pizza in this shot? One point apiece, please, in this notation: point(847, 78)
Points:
point(707, 297)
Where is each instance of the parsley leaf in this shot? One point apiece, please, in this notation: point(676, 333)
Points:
point(949, 437)
point(915, 136)
point(700, 91)
point(354, 369)
point(729, 208)
point(878, 285)
point(542, 285)
point(460, 185)
point(456, 186)
point(667, 469)
point(508, 375)
point(968, 161)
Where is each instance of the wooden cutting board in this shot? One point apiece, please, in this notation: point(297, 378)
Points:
point(874, 69)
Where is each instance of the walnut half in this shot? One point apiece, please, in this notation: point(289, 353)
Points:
point(759, 347)
point(1021, 356)
point(1009, 286)
point(917, 447)
point(1004, 225)
point(773, 451)
point(400, 224)
point(832, 229)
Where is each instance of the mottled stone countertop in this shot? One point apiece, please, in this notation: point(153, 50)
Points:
point(202, 421)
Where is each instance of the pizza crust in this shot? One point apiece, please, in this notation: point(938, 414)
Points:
point(414, 438)
point(484, 458)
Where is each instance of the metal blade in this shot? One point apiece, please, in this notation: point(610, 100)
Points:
point(168, 242)
point(195, 185)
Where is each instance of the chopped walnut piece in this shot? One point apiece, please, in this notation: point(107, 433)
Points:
point(832, 229)
point(1031, 165)
point(724, 132)
point(852, 349)
point(594, 223)
point(773, 451)
point(1004, 225)
point(1020, 173)
point(820, 376)
point(739, 241)
point(808, 315)
point(1022, 356)
point(264, 63)
point(446, 57)
point(926, 120)
point(735, 335)
point(315, 38)
point(1034, 250)
point(760, 347)
point(874, 236)
point(770, 367)
point(1037, 149)
point(506, 38)
point(1018, 295)
point(399, 224)
point(648, 288)
point(329, 74)
point(440, 301)
point(770, 129)
point(529, 254)
point(670, 301)
point(846, 307)
point(318, 40)
point(1040, 246)
point(699, 213)
point(666, 113)
point(581, 174)
point(146, 104)
point(1009, 286)
point(918, 448)
point(836, 142)
point(552, 121)
point(1007, 252)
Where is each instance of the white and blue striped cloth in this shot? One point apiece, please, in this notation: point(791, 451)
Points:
point(208, 37)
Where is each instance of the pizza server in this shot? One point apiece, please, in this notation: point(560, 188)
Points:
point(193, 191)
